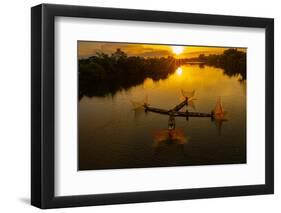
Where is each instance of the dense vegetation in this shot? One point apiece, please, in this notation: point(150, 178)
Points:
point(232, 61)
point(104, 74)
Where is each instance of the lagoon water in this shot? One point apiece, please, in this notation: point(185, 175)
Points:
point(112, 135)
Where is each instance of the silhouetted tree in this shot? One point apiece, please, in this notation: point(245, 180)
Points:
point(232, 61)
point(103, 74)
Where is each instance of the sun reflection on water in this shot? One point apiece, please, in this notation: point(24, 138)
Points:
point(179, 71)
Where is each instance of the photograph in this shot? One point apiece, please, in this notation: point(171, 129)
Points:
point(160, 105)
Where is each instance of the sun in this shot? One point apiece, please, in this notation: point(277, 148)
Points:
point(177, 49)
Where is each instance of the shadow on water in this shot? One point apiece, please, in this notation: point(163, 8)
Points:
point(171, 136)
point(167, 138)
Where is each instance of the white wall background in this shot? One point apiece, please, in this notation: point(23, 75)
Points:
point(15, 105)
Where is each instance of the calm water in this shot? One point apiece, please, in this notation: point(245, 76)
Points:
point(113, 135)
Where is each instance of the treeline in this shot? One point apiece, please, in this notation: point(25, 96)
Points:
point(104, 74)
point(232, 61)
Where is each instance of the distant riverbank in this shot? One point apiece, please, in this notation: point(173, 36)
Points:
point(104, 74)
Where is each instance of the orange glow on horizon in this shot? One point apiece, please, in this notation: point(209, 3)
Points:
point(90, 48)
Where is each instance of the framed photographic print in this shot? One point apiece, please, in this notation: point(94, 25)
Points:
point(139, 106)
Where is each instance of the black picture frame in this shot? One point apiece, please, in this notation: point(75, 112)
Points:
point(43, 117)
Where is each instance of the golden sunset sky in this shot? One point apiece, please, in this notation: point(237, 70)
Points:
point(90, 48)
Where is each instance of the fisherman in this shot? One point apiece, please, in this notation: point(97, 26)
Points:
point(171, 122)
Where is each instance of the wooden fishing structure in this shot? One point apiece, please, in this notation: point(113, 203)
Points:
point(218, 114)
point(175, 111)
